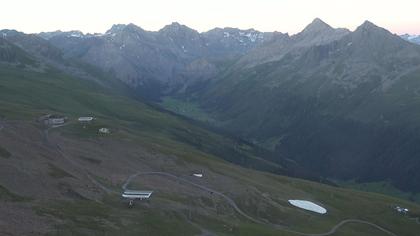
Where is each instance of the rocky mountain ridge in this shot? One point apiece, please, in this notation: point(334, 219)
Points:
point(157, 62)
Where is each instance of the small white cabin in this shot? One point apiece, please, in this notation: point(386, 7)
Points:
point(401, 210)
point(104, 131)
point(136, 195)
point(198, 175)
point(85, 119)
point(56, 121)
point(53, 120)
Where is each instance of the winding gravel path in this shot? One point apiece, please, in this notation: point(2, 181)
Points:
point(229, 200)
point(238, 210)
point(202, 187)
point(342, 223)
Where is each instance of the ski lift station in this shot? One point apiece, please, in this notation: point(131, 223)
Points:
point(132, 195)
point(136, 194)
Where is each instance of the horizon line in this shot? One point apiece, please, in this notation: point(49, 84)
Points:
point(204, 31)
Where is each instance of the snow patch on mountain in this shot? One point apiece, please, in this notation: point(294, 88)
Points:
point(411, 38)
point(245, 36)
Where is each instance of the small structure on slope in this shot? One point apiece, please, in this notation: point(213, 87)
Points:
point(401, 210)
point(104, 131)
point(132, 195)
point(53, 120)
point(86, 119)
point(198, 175)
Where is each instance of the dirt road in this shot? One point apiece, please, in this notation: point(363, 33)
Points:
point(232, 203)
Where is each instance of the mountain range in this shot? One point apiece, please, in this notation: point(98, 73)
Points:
point(325, 98)
point(161, 62)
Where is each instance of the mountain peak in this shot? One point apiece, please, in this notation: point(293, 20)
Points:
point(117, 28)
point(317, 25)
point(368, 26)
point(175, 26)
point(318, 21)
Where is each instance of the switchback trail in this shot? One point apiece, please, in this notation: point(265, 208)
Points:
point(239, 211)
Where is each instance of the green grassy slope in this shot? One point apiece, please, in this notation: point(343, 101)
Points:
point(28, 95)
point(84, 217)
point(175, 209)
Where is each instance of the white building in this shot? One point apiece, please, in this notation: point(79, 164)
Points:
point(85, 119)
point(136, 194)
point(53, 120)
point(401, 210)
point(56, 121)
point(104, 131)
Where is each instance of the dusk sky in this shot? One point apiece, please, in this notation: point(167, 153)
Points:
point(265, 15)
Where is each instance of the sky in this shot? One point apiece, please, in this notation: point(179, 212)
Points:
point(287, 16)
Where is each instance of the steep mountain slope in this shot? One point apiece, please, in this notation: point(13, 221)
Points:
point(67, 180)
point(46, 54)
point(10, 53)
point(160, 62)
point(341, 103)
point(316, 33)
